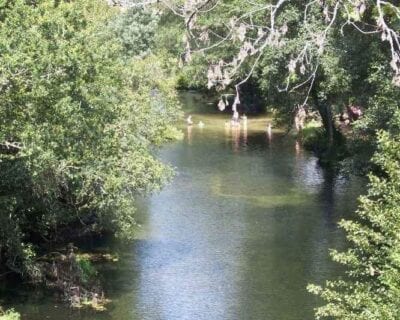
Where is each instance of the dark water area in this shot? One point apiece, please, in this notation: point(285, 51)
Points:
point(241, 230)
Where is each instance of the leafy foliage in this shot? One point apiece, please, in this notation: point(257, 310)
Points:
point(136, 29)
point(78, 121)
point(372, 286)
point(319, 53)
point(9, 315)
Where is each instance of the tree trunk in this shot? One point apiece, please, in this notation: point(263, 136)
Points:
point(327, 119)
point(325, 111)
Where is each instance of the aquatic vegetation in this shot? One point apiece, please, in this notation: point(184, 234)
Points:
point(74, 275)
point(88, 271)
point(292, 197)
point(96, 303)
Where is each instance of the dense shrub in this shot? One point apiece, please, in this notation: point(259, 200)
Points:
point(371, 288)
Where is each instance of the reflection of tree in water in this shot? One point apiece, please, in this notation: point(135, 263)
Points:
point(245, 135)
point(255, 230)
point(235, 138)
point(327, 195)
point(298, 149)
point(269, 135)
point(189, 134)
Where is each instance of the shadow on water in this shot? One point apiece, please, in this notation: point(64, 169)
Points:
point(243, 228)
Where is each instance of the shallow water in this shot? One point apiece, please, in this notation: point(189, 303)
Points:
point(238, 234)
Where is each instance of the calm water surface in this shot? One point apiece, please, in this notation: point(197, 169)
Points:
point(238, 234)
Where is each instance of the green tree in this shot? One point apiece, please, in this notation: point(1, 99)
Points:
point(381, 113)
point(78, 123)
point(315, 52)
point(371, 288)
point(135, 29)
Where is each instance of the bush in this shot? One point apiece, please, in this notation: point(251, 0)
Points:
point(314, 138)
point(312, 134)
point(371, 288)
point(9, 315)
point(88, 271)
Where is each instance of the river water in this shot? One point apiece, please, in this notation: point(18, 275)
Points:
point(241, 230)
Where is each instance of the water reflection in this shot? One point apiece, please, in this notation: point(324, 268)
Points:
point(269, 134)
point(235, 131)
point(298, 148)
point(237, 235)
point(245, 133)
point(246, 239)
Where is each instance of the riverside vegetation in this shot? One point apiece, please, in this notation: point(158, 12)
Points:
point(79, 119)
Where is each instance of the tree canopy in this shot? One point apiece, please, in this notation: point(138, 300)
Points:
point(324, 55)
point(78, 121)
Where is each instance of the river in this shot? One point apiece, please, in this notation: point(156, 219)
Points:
point(241, 230)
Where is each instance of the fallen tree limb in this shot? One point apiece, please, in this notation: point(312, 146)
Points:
point(10, 147)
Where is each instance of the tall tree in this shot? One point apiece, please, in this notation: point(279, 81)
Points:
point(302, 47)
